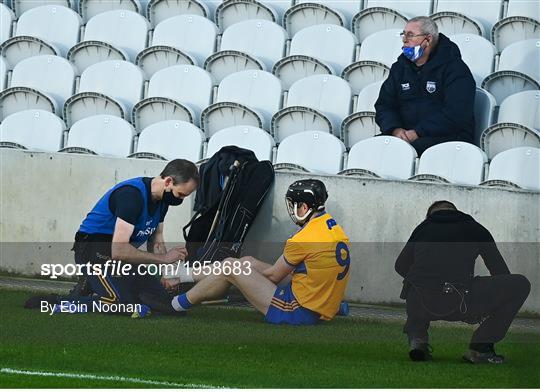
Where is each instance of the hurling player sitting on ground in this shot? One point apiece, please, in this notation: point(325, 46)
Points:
point(317, 256)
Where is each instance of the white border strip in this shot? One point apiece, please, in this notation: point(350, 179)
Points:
point(105, 378)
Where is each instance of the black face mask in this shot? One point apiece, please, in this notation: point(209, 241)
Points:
point(170, 199)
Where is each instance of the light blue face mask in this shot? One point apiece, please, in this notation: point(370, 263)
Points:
point(413, 53)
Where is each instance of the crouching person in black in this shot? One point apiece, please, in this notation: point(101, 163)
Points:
point(438, 266)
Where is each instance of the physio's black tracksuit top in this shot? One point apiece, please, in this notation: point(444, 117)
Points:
point(444, 247)
point(436, 99)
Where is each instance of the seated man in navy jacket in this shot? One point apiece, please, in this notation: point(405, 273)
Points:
point(428, 97)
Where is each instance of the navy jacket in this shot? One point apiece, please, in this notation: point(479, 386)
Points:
point(436, 99)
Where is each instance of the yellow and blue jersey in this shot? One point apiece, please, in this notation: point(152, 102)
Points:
point(320, 254)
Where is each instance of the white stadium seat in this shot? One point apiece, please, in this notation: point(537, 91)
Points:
point(368, 96)
point(484, 112)
point(364, 72)
point(523, 8)
point(303, 15)
point(316, 103)
point(49, 29)
point(311, 151)
point(244, 136)
point(111, 35)
point(517, 167)
point(21, 6)
point(170, 140)
point(3, 73)
point(521, 108)
point(231, 12)
point(179, 93)
point(452, 23)
point(409, 8)
point(381, 157)
point(159, 10)
point(109, 87)
point(39, 82)
point(518, 124)
point(486, 13)
point(32, 130)
point(310, 12)
point(181, 39)
point(100, 135)
point(243, 98)
point(322, 48)
point(387, 54)
point(519, 70)
point(452, 162)
point(514, 29)
point(372, 20)
point(90, 8)
point(6, 21)
point(253, 44)
point(477, 52)
point(361, 124)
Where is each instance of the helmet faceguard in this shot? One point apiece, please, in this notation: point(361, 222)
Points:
point(311, 192)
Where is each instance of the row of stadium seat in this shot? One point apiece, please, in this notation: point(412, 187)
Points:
point(192, 39)
point(252, 44)
point(184, 92)
point(493, 19)
point(377, 157)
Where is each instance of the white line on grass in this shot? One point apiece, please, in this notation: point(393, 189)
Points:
point(105, 378)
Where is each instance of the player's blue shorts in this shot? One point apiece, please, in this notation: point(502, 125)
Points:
point(285, 309)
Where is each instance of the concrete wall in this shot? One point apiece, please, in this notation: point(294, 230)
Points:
point(45, 196)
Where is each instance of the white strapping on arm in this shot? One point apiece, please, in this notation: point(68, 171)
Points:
point(179, 271)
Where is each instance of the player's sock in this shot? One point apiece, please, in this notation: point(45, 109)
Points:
point(180, 303)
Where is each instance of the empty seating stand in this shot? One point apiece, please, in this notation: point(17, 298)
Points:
point(49, 29)
point(519, 70)
point(109, 87)
point(319, 49)
point(515, 168)
point(100, 135)
point(252, 44)
point(452, 162)
point(32, 130)
point(111, 35)
point(179, 93)
point(318, 102)
point(39, 82)
point(181, 39)
point(243, 98)
point(244, 136)
point(518, 124)
point(381, 157)
point(90, 8)
point(168, 140)
point(310, 151)
point(361, 124)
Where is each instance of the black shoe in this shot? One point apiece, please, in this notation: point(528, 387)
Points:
point(35, 302)
point(473, 356)
point(81, 289)
point(420, 351)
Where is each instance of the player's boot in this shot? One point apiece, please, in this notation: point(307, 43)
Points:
point(473, 356)
point(420, 350)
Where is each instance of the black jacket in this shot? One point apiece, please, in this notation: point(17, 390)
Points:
point(444, 247)
point(405, 100)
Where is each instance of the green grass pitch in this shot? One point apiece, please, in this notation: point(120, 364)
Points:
point(235, 348)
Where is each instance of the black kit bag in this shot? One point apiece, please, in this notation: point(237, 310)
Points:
point(232, 189)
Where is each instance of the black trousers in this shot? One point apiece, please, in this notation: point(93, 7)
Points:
point(492, 301)
point(129, 289)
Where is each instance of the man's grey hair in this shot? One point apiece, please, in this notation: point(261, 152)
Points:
point(428, 26)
